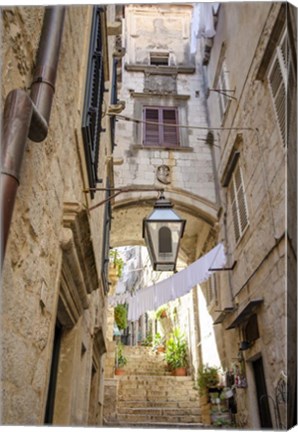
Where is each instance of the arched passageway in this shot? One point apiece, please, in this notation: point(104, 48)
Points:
point(130, 209)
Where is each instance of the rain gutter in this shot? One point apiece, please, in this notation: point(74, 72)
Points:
point(28, 116)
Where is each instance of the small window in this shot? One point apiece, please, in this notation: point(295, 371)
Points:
point(238, 203)
point(159, 59)
point(161, 127)
point(251, 329)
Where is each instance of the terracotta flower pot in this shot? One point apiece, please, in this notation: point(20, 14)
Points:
point(179, 371)
point(119, 371)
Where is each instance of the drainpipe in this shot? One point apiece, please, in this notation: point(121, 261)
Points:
point(26, 116)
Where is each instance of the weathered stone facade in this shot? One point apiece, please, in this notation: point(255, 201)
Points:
point(260, 254)
point(153, 30)
point(55, 323)
point(53, 305)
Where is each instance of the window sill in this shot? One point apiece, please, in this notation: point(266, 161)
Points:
point(176, 148)
point(160, 70)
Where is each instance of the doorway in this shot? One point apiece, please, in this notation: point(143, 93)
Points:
point(263, 404)
point(49, 413)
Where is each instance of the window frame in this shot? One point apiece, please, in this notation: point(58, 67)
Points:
point(155, 56)
point(238, 204)
point(160, 129)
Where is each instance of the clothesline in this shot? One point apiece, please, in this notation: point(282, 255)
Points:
point(153, 296)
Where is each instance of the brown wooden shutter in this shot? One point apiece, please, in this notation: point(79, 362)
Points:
point(170, 133)
point(152, 134)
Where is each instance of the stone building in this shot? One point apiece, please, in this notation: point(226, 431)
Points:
point(207, 125)
point(250, 70)
point(226, 168)
point(54, 275)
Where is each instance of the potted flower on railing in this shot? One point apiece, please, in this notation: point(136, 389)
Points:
point(176, 352)
point(115, 266)
point(120, 360)
point(161, 313)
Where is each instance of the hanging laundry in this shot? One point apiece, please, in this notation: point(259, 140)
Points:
point(202, 23)
point(150, 298)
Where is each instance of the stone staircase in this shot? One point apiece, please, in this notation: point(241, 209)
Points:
point(148, 396)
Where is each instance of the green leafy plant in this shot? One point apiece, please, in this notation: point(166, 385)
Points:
point(207, 377)
point(176, 349)
point(158, 341)
point(116, 262)
point(120, 316)
point(147, 341)
point(120, 359)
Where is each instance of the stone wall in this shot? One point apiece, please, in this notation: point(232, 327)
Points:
point(48, 215)
point(260, 253)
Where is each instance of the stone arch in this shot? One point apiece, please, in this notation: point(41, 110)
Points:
point(130, 208)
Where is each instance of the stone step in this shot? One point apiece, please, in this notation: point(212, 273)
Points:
point(161, 411)
point(166, 380)
point(135, 418)
point(171, 404)
point(148, 394)
point(157, 425)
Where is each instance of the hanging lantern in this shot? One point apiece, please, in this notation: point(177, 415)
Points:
point(162, 231)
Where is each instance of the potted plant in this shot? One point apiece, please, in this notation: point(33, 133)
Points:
point(120, 316)
point(116, 265)
point(158, 343)
point(161, 313)
point(120, 360)
point(176, 352)
point(207, 377)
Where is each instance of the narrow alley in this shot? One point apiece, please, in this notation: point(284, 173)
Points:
point(149, 215)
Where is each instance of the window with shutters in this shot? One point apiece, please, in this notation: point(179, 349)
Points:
point(238, 203)
point(114, 100)
point(211, 290)
point(106, 241)
point(281, 74)
point(161, 127)
point(94, 90)
point(223, 88)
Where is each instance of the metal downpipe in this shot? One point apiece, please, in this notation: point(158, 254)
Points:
point(24, 116)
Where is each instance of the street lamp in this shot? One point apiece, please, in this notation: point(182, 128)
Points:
point(162, 231)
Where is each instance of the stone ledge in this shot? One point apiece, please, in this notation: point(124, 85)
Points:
point(179, 149)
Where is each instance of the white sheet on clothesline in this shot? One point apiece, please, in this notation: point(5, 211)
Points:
point(150, 298)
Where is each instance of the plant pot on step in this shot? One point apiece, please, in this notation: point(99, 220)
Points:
point(119, 371)
point(181, 371)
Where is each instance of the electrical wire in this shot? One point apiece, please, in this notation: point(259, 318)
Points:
point(134, 120)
